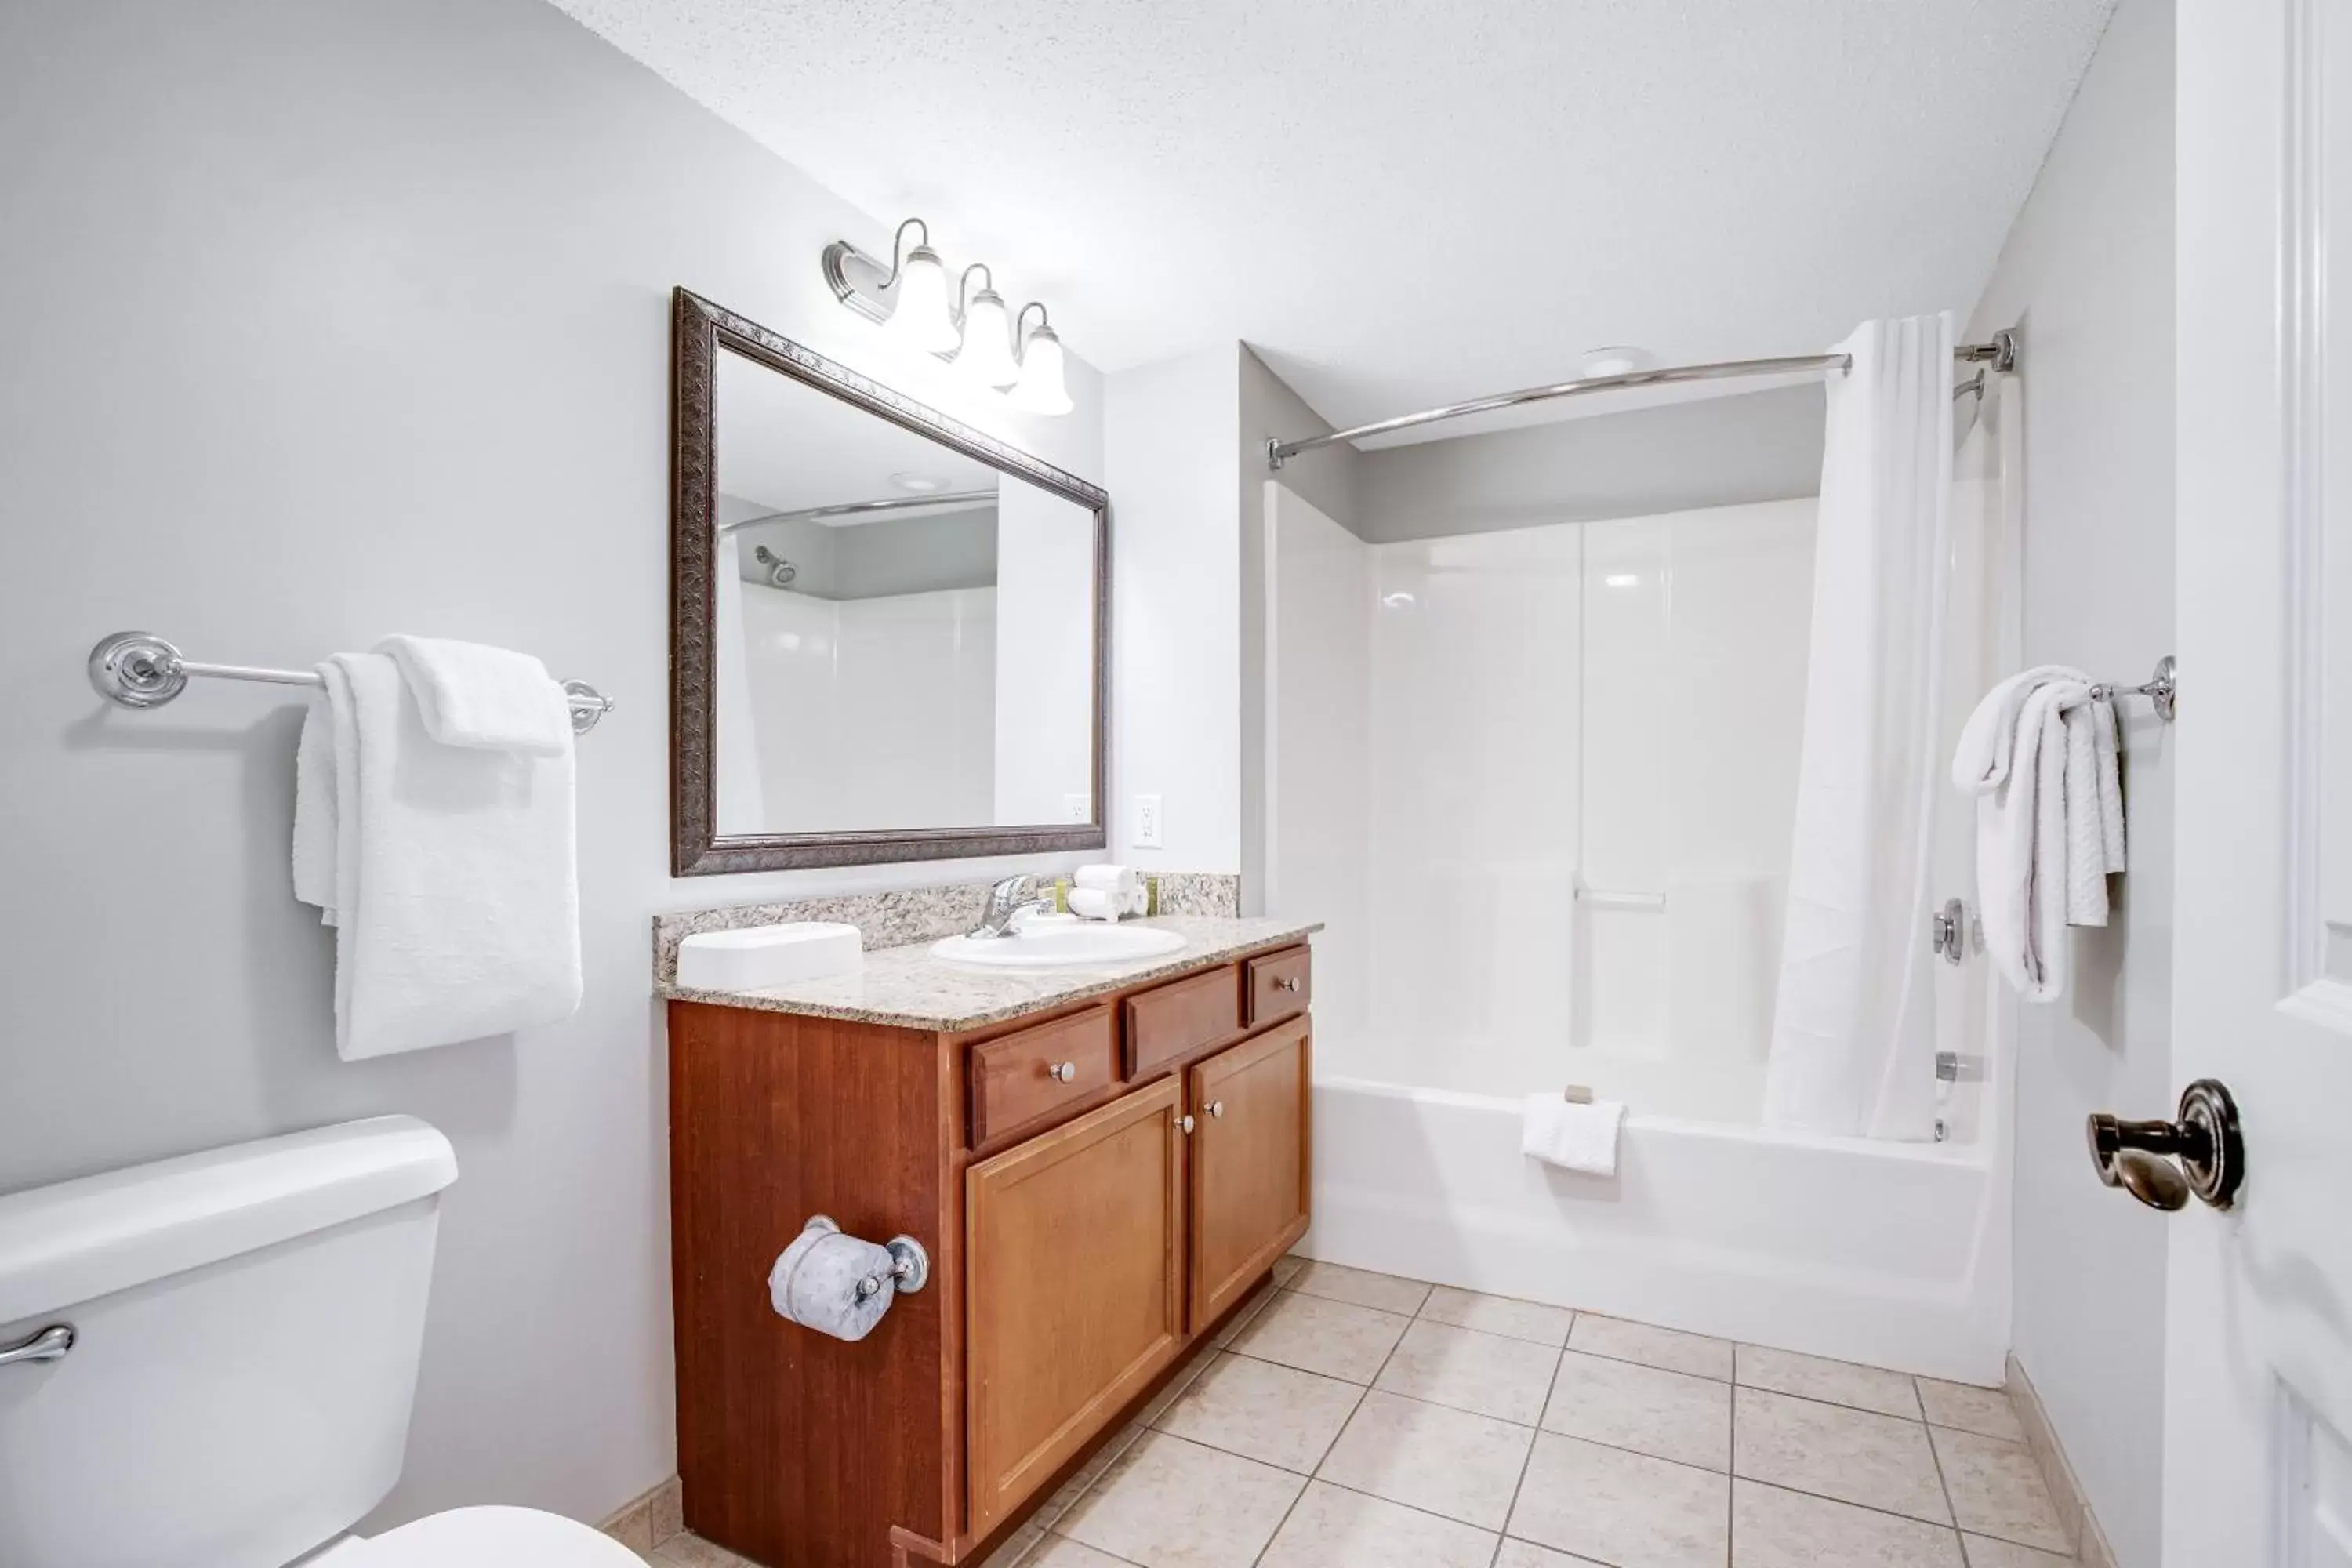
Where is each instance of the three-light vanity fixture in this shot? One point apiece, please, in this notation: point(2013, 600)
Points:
point(916, 304)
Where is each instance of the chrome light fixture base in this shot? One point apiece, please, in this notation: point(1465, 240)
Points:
point(862, 283)
point(870, 301)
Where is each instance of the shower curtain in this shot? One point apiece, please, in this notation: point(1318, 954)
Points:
point(1854, 1025)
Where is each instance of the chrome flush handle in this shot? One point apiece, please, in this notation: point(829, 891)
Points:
point(50, 1344)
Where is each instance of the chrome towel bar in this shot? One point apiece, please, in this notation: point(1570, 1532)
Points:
point(140, 669)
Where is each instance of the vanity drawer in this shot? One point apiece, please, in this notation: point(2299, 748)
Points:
point(1032, 1077)
point(1173, 1021)
point(1280, 985)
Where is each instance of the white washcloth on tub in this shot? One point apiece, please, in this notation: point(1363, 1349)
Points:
point(2039, 754)
point(453, 888)
point(491, 698)
point(1573, 1137)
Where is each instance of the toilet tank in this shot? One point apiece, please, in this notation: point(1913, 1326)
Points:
point(245, 1328)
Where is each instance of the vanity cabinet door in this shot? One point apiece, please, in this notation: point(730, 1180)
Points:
point(1073, 1295)
point(1251, 1110)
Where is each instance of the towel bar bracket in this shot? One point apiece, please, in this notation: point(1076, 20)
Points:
point(2162, 687)
point(140, 669)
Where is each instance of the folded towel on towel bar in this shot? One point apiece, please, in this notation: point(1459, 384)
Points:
point(2039, 755)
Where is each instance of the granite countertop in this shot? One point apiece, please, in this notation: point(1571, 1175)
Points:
point(908, 988)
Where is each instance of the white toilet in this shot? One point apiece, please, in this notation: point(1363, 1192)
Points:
point(232, 1385)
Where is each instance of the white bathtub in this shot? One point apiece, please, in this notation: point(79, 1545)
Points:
point(1893, 1254)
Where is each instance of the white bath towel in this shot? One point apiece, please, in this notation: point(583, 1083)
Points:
point(1573, 1137)
point(314, 798)
point(2039, 754)
point(491, 698)
point(454, 893)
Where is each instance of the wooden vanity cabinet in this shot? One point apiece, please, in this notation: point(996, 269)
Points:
point(1249, 1163)
point(1099, 1185)
point(1073, 1289)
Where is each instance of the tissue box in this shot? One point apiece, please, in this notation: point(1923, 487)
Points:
point(758, 956)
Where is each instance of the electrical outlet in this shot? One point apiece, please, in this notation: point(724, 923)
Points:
point(1077, 808)
point(1147, 822)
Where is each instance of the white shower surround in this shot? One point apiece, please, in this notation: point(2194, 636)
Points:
point(1895, 1254)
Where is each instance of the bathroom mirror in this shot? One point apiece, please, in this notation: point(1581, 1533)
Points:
point(887, 628)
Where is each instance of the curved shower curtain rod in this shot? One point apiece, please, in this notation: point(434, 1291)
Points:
point(2000, 354)
point(860, 508)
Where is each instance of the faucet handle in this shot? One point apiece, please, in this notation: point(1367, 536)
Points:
point(1003, 895)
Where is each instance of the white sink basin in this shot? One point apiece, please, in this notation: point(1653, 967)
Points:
point(1060, 944)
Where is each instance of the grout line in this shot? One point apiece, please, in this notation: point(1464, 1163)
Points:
point(1367, 1388)
point(1526, 1460)
point(1944, 1484)
point(1731, 1468)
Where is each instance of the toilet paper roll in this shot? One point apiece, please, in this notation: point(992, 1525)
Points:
point(832, 1282)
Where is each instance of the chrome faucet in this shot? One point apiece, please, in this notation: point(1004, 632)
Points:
point(1007, 901)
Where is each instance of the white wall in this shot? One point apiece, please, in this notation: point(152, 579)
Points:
point(1044, 701)
point(326, 318)
point(1326, 479)
point(1316, 796)
point(2087, 273)
point(1168, 449)
point(1676, 457)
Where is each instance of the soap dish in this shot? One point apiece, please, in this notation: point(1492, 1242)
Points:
point(754, 957)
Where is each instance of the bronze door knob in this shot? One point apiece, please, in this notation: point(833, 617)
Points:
point(2140, 1156)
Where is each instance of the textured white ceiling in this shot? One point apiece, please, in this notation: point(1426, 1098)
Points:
point(1413, 202)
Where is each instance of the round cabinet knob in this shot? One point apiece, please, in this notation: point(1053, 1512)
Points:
point(1062, 1072)
point(1217, 1108)
point(1287, 983)
point(1184, 1124)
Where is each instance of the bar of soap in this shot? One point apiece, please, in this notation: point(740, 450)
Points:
point(758, 956)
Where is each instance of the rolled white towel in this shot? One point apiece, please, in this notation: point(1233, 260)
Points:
point(1123, 881)
point(1573, 1137)
point(1095, 904)
point(832, 1282)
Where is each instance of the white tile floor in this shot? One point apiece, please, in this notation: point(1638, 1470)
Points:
point(1365, 1421)
point(1354, 1420)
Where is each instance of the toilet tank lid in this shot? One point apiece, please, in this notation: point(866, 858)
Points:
point(79, 1240)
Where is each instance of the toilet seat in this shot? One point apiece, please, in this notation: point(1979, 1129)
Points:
point(495, 1538)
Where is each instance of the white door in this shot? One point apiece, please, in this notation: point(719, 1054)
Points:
point(2258, 1396)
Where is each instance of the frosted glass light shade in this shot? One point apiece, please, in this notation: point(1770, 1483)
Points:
point(987, 353)
point(922, 319)
point(1040, 389)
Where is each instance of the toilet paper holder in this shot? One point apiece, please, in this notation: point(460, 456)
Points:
point(910, 1268)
